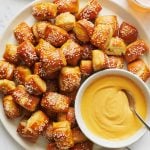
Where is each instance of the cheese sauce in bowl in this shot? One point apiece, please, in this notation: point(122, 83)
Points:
point(102, 109)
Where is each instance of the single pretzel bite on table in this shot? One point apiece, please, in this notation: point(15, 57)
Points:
point(55, 102)
point(6, 70)
point(90, 11)
point(27, 53)
point(44, 11)
point(128, 32)
point(56, 35)
point(24, 99)
point(24, 33)
point(63, 135)
point(135, 50)
point(139, 68)
point(101, 36)
point(115, 62)
point(35, 85)
point(20, 73)
point(71, 6)
point(52, 61)
point(72, 52)
point(38, 29)
point(116, 47)
point(83, 30)
point(10, 54)
point(7, 86)
point(86, 68)
point(31, 128)
point(69, 79)
point(99, 60)
point(11, 109)
point(108, 19)
point(65, 20)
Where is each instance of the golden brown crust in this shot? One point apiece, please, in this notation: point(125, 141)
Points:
point(27, 53)
point(90, 11)
point(108, 19)
point(56, 35)
point(83, 30)
point(44, 11)
point(48, 133)
point(11, 109)
point(71, 6)
point(23, 33)
point(128, 32)
point(62, 135)
point(6, 70)
point(65, 20)
point(20, 73)
point(52, 146)
point(135, 50)
point(10, 54)
point(24, 99)
point(139, 68)
point(69, 79)
point(72, 52)
point(55, 102)
point(35, 85)
point(33, 127)
point(101, 36)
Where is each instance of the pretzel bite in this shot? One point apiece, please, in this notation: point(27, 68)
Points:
point(87, 145)
point(135, 50)
point(72, 52)
point(31, 129)
point(6, 70)
point(24, 99)
point(62, 135)
point(56, 35)
point(48, 133)
point(10, 54)
point(52, 61)
point(20, 73)
point(7, 86)
point(115, 62)
point(23, 33)
point(11, 109)
point(43, 46)
point(86, 68)
point(71, 6)
point(99, 60)
point(52, 146)
point(65, 20)
point(27, 53)
point(44, 11)
point(101, 36)
point(78, 136)
point(55, 102)
point(83, 30)
point(139, 68)
point(38, 29)
point(108, 19)
point(128, 32)
point(90, 11)
point(35, 85)
point(69, 79)
point(116, 47)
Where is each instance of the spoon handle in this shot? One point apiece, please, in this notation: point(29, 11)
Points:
point(146, 125)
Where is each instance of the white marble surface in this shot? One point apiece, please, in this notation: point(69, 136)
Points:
point(9, 8)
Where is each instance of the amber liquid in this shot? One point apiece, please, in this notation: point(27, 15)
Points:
point(140, 5)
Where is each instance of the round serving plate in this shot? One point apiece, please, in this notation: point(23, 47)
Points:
point(109, 8)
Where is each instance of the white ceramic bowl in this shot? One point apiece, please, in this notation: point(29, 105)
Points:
point(96, 139)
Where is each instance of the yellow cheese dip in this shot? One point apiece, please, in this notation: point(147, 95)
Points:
point(105, 109)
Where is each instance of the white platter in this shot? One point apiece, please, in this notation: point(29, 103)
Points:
point(109, 8)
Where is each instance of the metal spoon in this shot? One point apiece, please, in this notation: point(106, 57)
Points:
point(132, 107)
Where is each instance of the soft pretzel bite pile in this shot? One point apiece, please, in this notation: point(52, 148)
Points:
point(41, 74)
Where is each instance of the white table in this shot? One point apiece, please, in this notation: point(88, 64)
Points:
point(8, 9)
